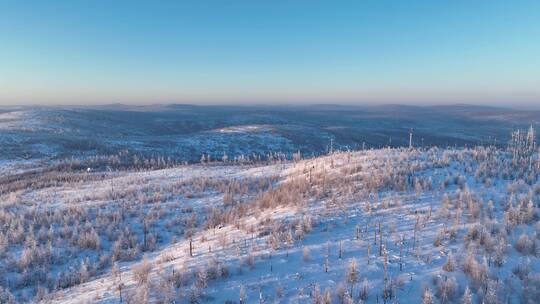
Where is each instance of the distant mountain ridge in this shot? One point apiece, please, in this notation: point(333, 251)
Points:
point(186, 131)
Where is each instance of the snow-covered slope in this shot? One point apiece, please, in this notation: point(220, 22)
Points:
point(374, 226)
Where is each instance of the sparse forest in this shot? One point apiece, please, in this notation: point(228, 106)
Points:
point(390, 225)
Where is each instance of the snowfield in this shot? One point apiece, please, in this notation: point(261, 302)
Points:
point(373, 226)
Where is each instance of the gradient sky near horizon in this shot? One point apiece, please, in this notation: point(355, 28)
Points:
point(426, 52)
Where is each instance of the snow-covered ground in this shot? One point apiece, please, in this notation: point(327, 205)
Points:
point(373, 226)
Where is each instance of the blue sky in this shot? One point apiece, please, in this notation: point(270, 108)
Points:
point(426, 52)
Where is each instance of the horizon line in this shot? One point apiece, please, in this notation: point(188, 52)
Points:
point(515, 106)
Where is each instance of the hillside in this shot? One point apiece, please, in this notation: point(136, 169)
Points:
point(384, 225)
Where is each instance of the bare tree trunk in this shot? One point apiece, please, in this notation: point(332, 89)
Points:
point(401, 255)
point(380, 240)
point(326, 264)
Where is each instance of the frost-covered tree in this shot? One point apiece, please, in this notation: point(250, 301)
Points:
point(316, 296)
point(141, 271)
point(352, 273)
point(364, 291)
point(450, 264)
point(327, 298)
point(467, 296)
point(447, 289)
point(427, 296)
